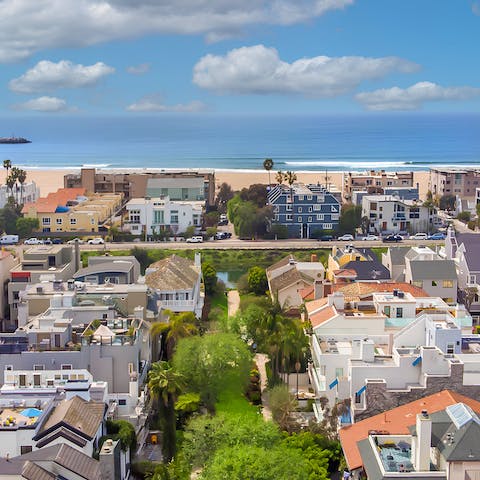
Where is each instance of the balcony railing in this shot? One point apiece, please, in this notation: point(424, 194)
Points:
point(177, 303)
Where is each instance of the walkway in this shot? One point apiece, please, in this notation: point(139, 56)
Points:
point(261, 359)
point(233, 302)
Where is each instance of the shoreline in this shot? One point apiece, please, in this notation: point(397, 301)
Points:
point(50, 180)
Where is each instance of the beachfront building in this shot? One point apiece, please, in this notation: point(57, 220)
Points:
point(441, 445)
point(306, 210)
point(26, 193)
point(178, 184)
point(404, 193)
point(71, 210)
point(39, 263)
point(386, 348)
point(390, 214)
point(150, 216)
point(454, 182)
point(288, 277)
point(375, 182)
point(177, 284)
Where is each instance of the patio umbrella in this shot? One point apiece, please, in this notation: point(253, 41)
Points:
point(31, 412)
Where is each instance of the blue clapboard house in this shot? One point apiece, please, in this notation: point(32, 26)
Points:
point(306, 210)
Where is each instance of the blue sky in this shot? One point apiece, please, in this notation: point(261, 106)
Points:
point(131, 57)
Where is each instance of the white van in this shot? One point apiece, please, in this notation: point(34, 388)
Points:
point(8, 239)
point(419, 236)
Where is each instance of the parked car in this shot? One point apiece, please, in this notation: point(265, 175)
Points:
point(326, 238)
point(196, 239)
point(79, 240)
point(48, 241)
point(96, 241)
point(370, 238)
point(222, 222)
point(222, 235)
point(419, 236)
point(33, 241)
point(393, 238)
point(57, 241)
point(346, 238)
point(437, 236)
point(8, 239)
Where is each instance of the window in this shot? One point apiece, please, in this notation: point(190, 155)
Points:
point(92, 221)
point(288, 208)
point(447, 284)
point(73, 221)
point(450, 348)
point(320, 198)
point(317, 207)
point(174, 217)
point(135, 216)
point(386, 310)
point(122, 401)
point(115, 280)
point(309, 197)
point(418, 283)
point(320, 216)
point(91, 279)
point(309, 209)
point(472, 279)
point(358, 398)
point(59, 221)
point(300, 209)
point(66, 366)
point(158, 217)
point(289, 217)
point(373, 205)
point(399, 312)
point(39, 367)
point(338, 372)
point(46, 221)
point(9, 367)
point(25, 449)
point(310, 219)
point(434, 283)
point(299, 219)
point(301, 198)
point(327, 226)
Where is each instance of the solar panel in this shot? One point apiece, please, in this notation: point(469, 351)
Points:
point(461, 414)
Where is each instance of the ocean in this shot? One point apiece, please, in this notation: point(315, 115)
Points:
point(227, 142)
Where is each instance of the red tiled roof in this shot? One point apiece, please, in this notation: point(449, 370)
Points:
point(396, 421)
point(367, 288)
point(345, 272)
point(307, 293)
point(50, 203)
point(316, 304)
point(322, 316)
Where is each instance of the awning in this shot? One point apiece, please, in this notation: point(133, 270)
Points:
point(361, 390)
point(417, 361)
point(333, 384)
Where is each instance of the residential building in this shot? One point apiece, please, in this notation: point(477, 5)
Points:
point(69, 210)
point(394, 260)
point(7, 261)
point(39, 263)
point(109, 269)
point(388, 213)
point(396, 421)
point(348, 263)
point(288, 277)
point(306, 210)
point(404, 193)
point(384, 349)
point(441, 445)
point(177, 184)
point(177, 284)
point(463, 249)
point(26, 193)
point(455, 182)
point(149, 216)
point(374, 181)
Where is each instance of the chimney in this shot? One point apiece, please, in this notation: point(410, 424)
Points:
point(98, 392)
point(318, 290)
point(198, 259)
point(110, 464)
point(422, 442)
point(313, 257)
point(367, 350)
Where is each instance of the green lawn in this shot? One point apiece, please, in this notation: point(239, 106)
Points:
point(231, 400)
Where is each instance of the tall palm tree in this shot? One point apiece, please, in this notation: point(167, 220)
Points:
point(291, 178)
point(179, 326)
point(22, 177)
point(7, 165)
point(14, 173)
point(10, 182)
point(268, 165)
point(279, 177)
point(165, 384)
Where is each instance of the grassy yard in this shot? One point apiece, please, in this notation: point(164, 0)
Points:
point(231, 400)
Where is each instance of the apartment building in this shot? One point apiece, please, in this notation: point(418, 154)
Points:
point(306, 210)
point(456, 182)
point(149, 216)
point(388, 213)
point(177, 184)
point(39, 263)
point(375, 181)
point(26, 193)
point(70, 210)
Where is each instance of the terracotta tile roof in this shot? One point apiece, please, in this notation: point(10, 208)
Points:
point(307, 293)
point(4, 253)
point(316, 304)
point(396, 421)
point(344, 272)
point(322, 316)
point(50, 203)
point(172, 273)
point(360, 289)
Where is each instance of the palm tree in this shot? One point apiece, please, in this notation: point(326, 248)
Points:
point(22, 177)
point(165, 384)
point(10, 182)
point(14, 173)
point(268, 165)
point(179, 326)
point(7, 165)
point(279, 177)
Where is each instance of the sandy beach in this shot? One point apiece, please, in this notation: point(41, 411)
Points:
point(51, 180)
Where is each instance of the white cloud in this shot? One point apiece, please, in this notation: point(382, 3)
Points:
point(153, 103)
point(28, 26)
point(47, 76)
point(413, 97)
point(139, 69)
point(259, 70)
point(44, 104)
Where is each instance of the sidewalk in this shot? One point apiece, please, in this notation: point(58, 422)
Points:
point(233, 299)
point(261, 359)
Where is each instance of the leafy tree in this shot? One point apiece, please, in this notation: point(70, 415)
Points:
point(225, 193)
point(256, 193)
point(25, 226)
point(141, 254)
point(189, 232)
point(464, 216)
point(209, 278)
point(268, 165)
point(211, 219)
point(9, 215)
point(447, 202)
point(283, 404)
point(121, 430)
point(211, 231)
point(257, 280)
point(232, 207)
point(165, 384)
point(279, 232)
point(365, 225)
point(208, 362)
point(350, 218)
